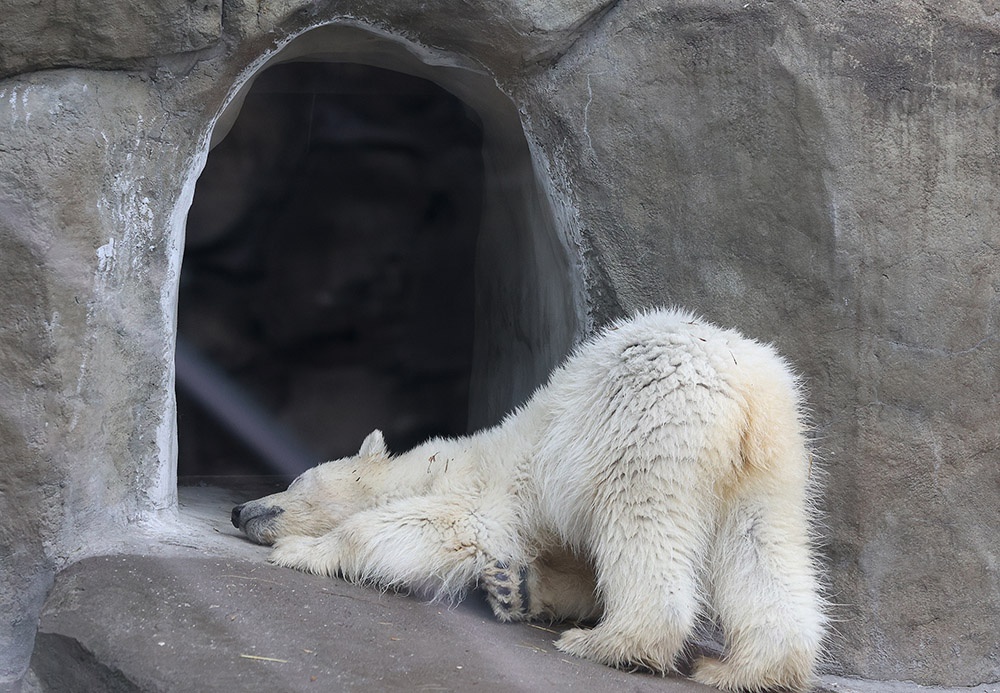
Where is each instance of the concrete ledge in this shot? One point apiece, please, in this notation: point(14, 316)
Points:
point(203, 611)
point(189, 604)
point(836, 684)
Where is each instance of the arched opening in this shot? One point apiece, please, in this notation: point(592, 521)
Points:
point(368, 246)
point(328, 269)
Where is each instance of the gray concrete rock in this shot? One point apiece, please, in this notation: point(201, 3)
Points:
point(148, 623)
point(40, 35)
point(821, 179)
point(818, 175)
point(200, 609)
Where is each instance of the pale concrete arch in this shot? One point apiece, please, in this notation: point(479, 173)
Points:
point(529, 306)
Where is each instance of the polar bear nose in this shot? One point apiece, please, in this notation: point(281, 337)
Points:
point(236, 515)
point(253, 511)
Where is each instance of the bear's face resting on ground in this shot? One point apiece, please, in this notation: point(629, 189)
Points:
point(316, 502)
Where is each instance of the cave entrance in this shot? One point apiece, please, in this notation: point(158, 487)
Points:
point(367, 247)
point(327, 274)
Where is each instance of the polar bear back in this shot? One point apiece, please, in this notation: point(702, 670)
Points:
point(662, 400)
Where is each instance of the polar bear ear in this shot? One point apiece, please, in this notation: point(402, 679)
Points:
point(374, 445)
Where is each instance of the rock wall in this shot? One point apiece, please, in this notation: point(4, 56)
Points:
point(821, 175)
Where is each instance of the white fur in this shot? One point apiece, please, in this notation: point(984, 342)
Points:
point(660, 476)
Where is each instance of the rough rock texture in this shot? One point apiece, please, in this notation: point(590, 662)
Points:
point(824, 181)
point(821, 175)
point(194, 623)
point(204, 612)
point(49, 33)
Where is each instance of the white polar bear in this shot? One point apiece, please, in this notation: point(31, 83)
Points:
point(661, 476)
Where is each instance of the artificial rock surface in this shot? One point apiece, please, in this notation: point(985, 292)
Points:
point(207, 613)
point(820, 175)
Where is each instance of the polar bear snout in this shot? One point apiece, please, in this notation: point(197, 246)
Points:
point(236, 515)
point(256, 520)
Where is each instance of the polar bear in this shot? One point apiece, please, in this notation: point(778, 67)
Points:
point(661, 477)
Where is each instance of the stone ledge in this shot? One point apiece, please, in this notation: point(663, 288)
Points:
point(202, 610)
point(189, 604)
point(836, 684)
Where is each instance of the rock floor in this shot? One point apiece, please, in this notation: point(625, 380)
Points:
point(190, 605)
point(198, 609)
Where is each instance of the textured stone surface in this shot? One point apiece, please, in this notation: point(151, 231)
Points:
point(37, 35)
point(84, 256)
point(820, 175)
point(822, 179)
point(187, 619)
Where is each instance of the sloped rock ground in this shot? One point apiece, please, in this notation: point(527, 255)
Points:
point(203, 611)
point(190, 605)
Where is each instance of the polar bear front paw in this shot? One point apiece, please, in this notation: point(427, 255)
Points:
point(317, 555)
point(506, 591)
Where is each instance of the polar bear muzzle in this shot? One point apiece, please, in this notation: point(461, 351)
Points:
point(256, 520)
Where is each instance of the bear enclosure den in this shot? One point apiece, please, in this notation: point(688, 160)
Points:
point(404, 216)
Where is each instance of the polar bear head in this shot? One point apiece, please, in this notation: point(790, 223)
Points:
point(317, 501)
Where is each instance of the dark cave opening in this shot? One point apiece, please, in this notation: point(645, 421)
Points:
point(328, 280)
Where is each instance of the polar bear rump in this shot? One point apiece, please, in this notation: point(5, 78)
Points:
point(660, 479)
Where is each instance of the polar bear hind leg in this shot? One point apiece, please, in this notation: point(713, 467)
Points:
point(764, 594)
point(763, 581)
